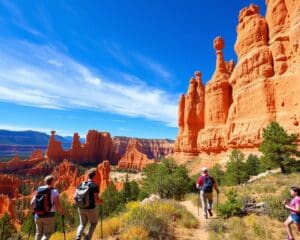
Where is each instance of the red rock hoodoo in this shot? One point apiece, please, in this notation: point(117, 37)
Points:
point(9, 185)
point(133, 157)
point(97, 148)
point(239, 101)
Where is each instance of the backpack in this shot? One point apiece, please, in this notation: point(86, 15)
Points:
point(82, 195)
point(207, 185)
point(42, 201)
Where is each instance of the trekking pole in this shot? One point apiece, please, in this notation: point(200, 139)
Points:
point(63, 225)
point(31, 226)
point(217, 199)
point(101, 222)
point(198, 203)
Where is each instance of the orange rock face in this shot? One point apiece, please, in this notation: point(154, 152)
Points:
point(153, 148)
point(9, 185)
point(239, 101)
point(6, 206)
point(98, 147)
point(134, 158)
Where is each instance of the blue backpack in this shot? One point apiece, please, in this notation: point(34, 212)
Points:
point(208, 184)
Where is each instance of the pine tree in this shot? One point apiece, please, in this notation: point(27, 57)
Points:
point(236, 168)
point(278, 147)
point(7, 228)
point(253, 166)
point(218, 174)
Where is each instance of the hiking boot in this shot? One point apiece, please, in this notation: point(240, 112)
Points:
point(210, 212)
point(205, 215)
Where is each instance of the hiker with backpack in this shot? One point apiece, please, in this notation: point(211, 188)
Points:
point(205, 184)
point(44, 205)
point(86, 197)
point(294, 207)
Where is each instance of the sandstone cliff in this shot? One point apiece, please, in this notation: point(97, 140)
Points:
point(133, 157)
point(239, 101)
point(153, 148)
point(97, 148)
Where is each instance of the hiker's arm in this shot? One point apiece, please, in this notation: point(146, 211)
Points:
point(295, 209)
point(32, 203)
point(216, 188)
point(98, 201)
point(58, 206)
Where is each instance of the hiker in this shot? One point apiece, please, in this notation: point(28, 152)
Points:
point(294, 207)
point(206, 183)
point(86, 197)
point(44, 204)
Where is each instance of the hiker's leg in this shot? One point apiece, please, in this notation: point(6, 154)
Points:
point(288, 224)
point(48, 225)
point(209, 197)
point(38, 228)
point(93, 218)
point(203, 203)
point(83, 221)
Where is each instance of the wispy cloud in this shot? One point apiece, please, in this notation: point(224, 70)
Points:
point(43, 76)
point(130, 58)
point(153, 65)
point(18, 18)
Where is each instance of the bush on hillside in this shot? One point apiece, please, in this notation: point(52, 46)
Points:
point(236, 172)
point(7, 228)
point(166, 179)
point(275, 207)
point(232, 206)
point(218, 174)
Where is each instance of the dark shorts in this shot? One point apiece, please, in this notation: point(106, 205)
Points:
point(296, 218)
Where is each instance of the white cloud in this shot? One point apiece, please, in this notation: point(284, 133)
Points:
point(153, 65)
point(18, 18)
point(42, 76)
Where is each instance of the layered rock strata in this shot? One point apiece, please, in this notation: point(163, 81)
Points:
point(239, 101)
point(134, 158)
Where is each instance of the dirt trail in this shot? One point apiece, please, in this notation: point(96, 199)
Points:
point(192, 234)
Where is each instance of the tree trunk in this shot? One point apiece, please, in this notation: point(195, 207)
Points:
point(282, 167)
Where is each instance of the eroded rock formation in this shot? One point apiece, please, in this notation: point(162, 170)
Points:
point(133, 157)
point(6, 206)
point(153, 148)
point(98, 147)
point(239, 101)
point(9, 185)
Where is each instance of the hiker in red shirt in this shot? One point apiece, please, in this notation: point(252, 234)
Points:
point(205, 184)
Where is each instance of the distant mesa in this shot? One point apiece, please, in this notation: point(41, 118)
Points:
point(232, 109)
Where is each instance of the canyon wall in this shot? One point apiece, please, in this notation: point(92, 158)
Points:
point(234, 106)
point(134, 158)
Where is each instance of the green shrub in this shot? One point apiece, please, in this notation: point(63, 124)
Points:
point(275, 208)
point(232, 206)
point(166, 179)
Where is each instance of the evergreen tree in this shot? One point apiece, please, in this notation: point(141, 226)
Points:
point(111, 201)
point(253, 166)
point(236, 168)
point(278, 147)
point(218, 174)
point(7, 228)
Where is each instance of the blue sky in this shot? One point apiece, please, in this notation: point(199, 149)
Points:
point(116, 66)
